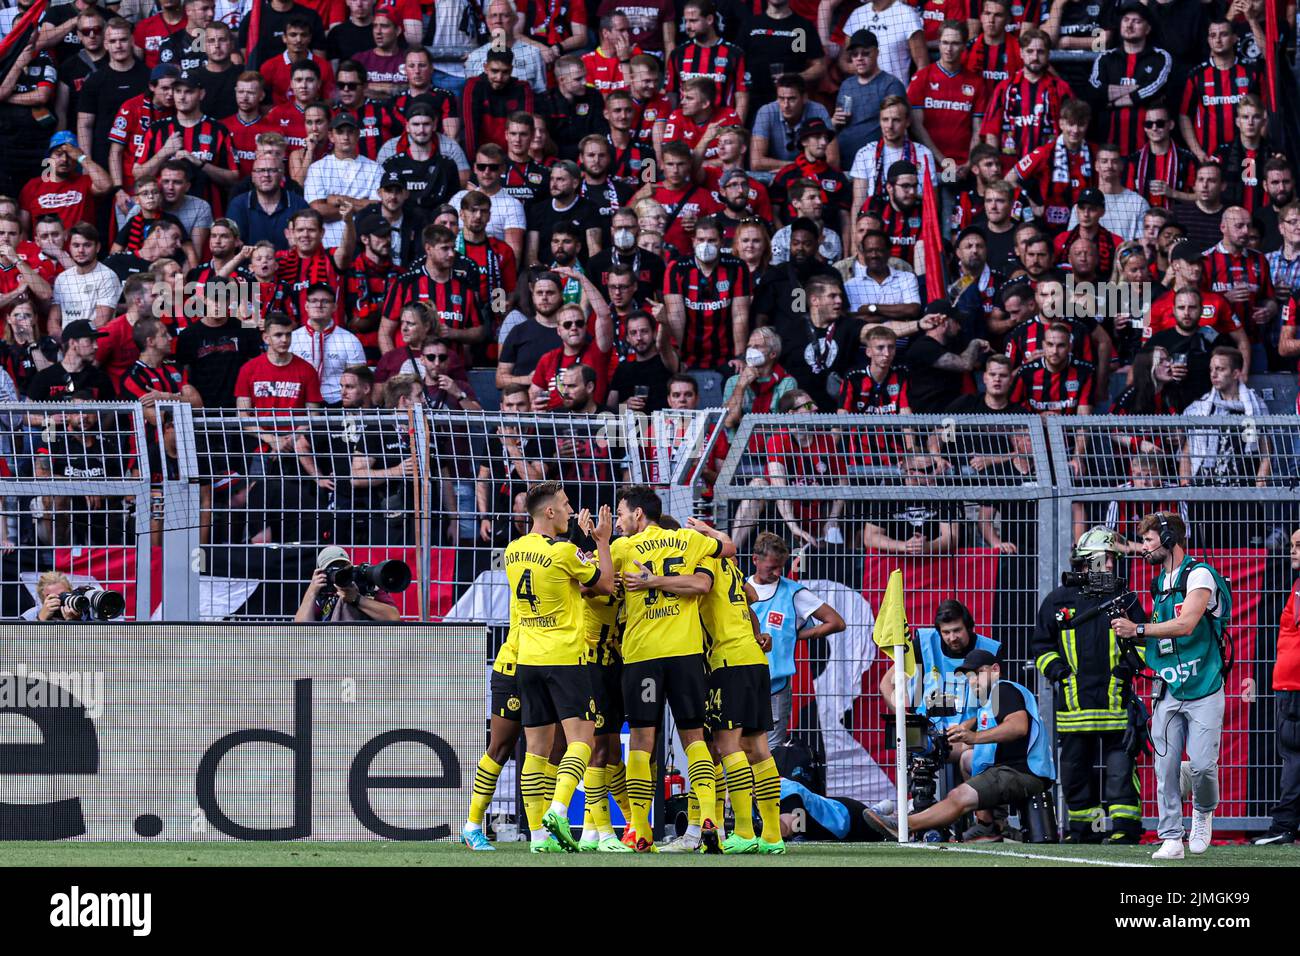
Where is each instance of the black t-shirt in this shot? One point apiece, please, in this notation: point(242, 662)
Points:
point(1001, 246)
point(543, 217)
point(186, 52)
point(430, 182)
point(653, 374)
point(1197, 348)
point(346, 40)
point(813, 355)
point(386, 445)
point(73, 74)
point(1010, 753)
point(53, 383)
point(930, 389)
point(780, 294)
point(569, 122)
point(70, 457)
point(213, 358)
point(103, 94)
point(768, 41)
point(126, 264)
point(219, 92)
point(525, 345)
point(971, 440)
point(901, 520)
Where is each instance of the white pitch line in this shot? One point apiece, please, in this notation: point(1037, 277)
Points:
point(1026, 856)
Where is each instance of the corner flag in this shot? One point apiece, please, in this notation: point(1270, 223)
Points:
point(891, 622)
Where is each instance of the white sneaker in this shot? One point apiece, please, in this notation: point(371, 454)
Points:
point(683, 844)
point(1202, 831)
point(1169, 850)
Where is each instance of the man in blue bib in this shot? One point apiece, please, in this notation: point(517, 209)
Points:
point(1010, 752)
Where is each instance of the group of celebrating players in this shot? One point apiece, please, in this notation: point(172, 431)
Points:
point(660, 615)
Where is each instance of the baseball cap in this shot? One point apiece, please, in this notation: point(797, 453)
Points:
point(900, 168)
point(863, 38)
point(187, 79)
point(974, 660)
point(939, 307)
point(164, 71)
point(1184, 251)
point(388, 13)
point(81, 329)
point(1091, 197)
point(813, 127)
point(63, 137)
point(344, 119)
point(1136, 6)
point(392, 180)
point(317, 285)
point(731, 175)
point(331, 555)
point(373, 225)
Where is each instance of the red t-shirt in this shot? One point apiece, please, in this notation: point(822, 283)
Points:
point(816, 465)
point(951, 102)
point(150, 33)
point(48, 268)
point(759, 200)
point(278, 70)
point(690, 201)
point(604, 72)
point(287, 120)
point(71, 200)
point(244, 138)
point(115, 353)
point(1216, 312)
point(682, 128)
point(550, 365)
point(275, 388)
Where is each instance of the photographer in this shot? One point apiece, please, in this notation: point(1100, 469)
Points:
point(1092, 672)
point(50, 588)
point(324, 601)
point(1010, 752)
point(1191, 607)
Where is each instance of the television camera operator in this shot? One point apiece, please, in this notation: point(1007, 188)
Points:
point(342, 591)
point(1092, 671)
point(59, 601)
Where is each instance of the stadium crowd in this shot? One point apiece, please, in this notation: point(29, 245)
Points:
point(288, 206)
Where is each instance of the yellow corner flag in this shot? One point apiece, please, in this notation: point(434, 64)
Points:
point(891, 622)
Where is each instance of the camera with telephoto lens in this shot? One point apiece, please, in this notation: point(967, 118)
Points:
point(390, 576)
point(100, 604)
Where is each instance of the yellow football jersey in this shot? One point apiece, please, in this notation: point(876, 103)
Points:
point(660, 624)
point(508, 656)
point(728, 633)
point(601, 626)
point(544, 575)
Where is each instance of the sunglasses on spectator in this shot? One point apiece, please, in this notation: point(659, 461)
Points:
point(1156, 124)
point(90, 31)
point(487, 167)
point(436, 356)
point(348, 86)
point(576, 324)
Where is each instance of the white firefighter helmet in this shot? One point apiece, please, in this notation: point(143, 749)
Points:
point(1089, 552)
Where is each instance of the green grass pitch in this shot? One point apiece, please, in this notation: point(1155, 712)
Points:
point(75, 854)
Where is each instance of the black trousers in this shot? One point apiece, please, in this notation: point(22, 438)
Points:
point(1286, 815)
point(1079, 783)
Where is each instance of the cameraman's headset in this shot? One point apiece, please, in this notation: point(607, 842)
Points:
point(1167, 540)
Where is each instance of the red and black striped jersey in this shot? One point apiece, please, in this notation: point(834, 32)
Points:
point(295, 274)
point(1027, 338)
point(379, 122)
point(130, 130)
point(528, 181)
point(723, 63)
point(497, 269)
point(1107, 242)
point(455, 300)
point(995, 62)
point(141, 379)
point(651, 112)
point(1210, 98)
point(364, 289)
point(708, 300)
point(1058, 189)
point(207, 140)
point(861, 394)
point(1022, 115)
point(1177, 167)
point(837, 191)
point(134, 231)
point(625, 164)
point(1047, 392)
point(970, 206)
point(903, 227)
point(486, 110)
point(1223, 271)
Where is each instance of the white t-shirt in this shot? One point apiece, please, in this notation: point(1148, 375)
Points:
point(1197, 579)
point(805, 602)
point(331, 176)
point(78, 295)
point(507, 212)
point(892, 27)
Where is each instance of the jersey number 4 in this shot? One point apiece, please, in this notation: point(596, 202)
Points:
point(524, 590)
point(670, 566)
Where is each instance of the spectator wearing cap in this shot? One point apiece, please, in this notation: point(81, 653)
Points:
point(733, 192)
point(108, 88)
point(89, 289)
point(1089, 210)
point(1127, 77)
point(873, 162)
point(814, 162)
point(939, 373)
point(572, 111)
point(366, 283)
point(131, 127)
point(379, 120)
point(490, 98)
point(862, 94)
point(325, 346)
point(1123, 209)
point(75, 181)
point(76, 371)
point(1200, 218)
point(502, 23)
point(193, 137)
point(777, 124)
point(277, 71)
point(263, 212)
point(948, 108)
point(341, 177)
point(431, 178)
point(508, 222)
point(406, 221)
point(898, 29)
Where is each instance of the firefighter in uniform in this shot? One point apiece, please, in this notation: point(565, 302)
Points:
point(1075, 648)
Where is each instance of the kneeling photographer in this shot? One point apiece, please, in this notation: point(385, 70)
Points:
point(1010, 756)
point(342, 591)
point(59, 601)
point(1092, 670)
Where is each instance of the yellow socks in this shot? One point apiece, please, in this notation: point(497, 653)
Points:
point(596, 815)
point(617, 778)
point(767, 794)
point(573, 766)
point(740, 787)
point(552, 771)
point(640, 792)
point(532, 782)
point(719, 793)
point(485, 785)
point(699, 766)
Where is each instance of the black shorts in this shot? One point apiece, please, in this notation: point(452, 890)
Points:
point(506, 702)
point(1000, 785)
point(607, 689)
point(740, 697)
point(555, 692)
point(679, 682)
